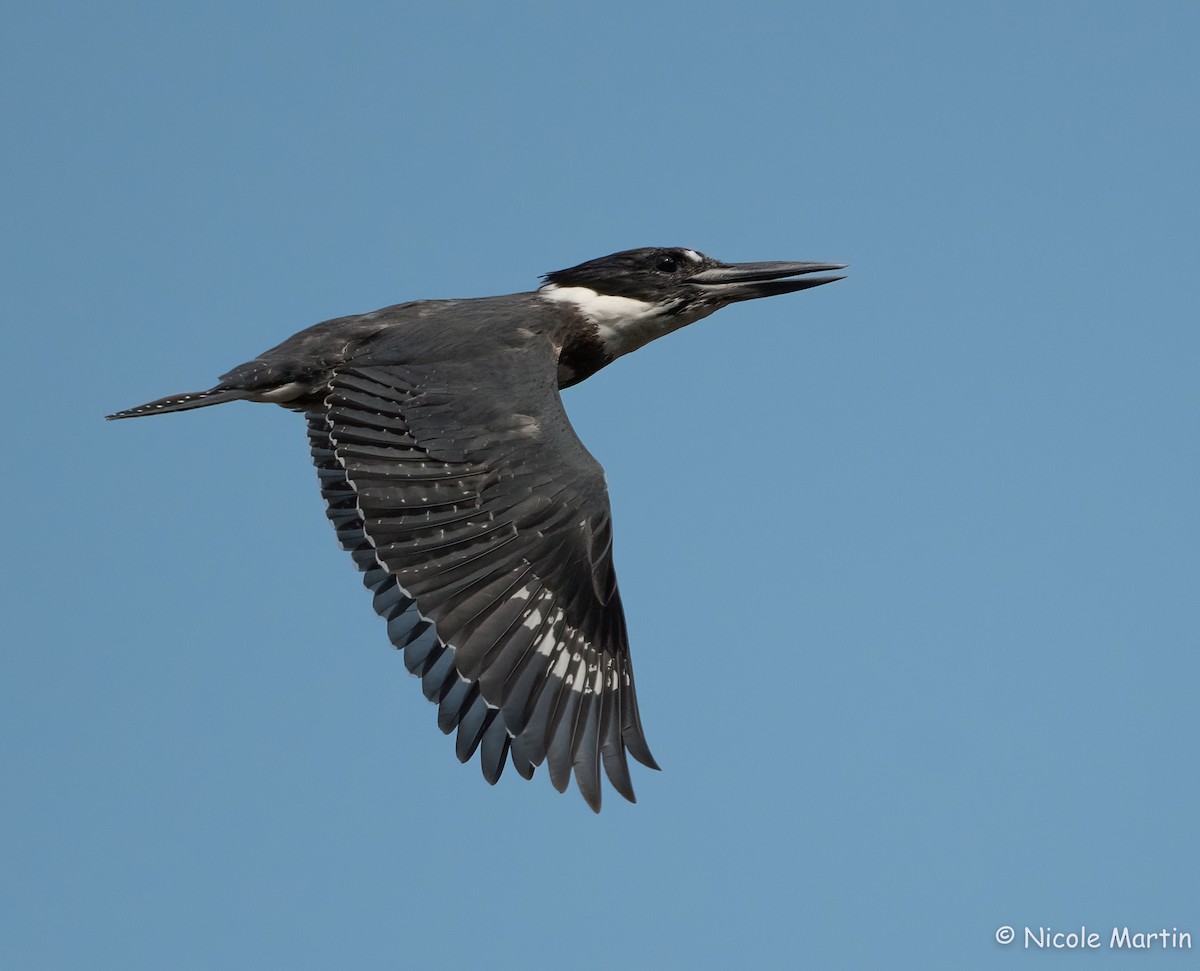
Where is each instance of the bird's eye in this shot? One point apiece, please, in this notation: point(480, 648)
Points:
point(667, 264)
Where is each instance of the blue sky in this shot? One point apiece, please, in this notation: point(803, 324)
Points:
point(910, 562)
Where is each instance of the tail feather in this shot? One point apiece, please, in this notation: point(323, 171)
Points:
point(183, 402)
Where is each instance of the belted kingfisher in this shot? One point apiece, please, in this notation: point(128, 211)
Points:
point(480, 522)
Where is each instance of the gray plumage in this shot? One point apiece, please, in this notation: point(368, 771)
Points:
point(480, 522)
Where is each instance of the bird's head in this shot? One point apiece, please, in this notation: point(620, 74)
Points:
point(637, 295)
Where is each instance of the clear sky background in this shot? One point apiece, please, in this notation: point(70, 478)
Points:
point(910, 561)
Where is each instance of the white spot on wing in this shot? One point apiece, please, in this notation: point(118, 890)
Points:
point(549, 639)
point(534, 619)
point(578, 680)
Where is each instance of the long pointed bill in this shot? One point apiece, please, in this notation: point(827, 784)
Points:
point(748, 281)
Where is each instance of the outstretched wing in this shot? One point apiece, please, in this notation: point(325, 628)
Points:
point(483, 528)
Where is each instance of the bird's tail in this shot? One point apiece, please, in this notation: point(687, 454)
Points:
point(183, 402)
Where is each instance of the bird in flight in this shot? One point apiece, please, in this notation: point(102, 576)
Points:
point(479, 521)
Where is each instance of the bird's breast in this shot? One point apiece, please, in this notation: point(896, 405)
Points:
point(583, 354)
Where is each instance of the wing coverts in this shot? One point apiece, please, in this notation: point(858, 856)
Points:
point(482, 527)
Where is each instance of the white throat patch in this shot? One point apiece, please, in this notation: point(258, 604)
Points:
point(625, 323)
point(600, 308)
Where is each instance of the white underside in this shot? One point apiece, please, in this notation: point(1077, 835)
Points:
point(286, 392)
